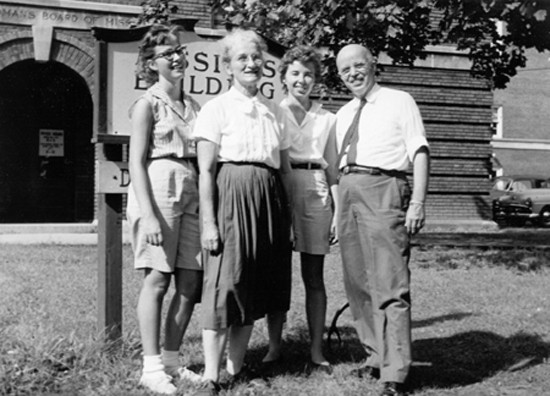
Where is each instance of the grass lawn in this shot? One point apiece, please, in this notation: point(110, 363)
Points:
point(481, 326)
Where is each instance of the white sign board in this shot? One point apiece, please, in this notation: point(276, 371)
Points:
point(51, 143)
point(205, 78)
point(124, 87)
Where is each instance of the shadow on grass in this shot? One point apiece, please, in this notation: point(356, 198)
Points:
point(462, 359)
point(417, 324)
point(470, 357)
point(349, 350)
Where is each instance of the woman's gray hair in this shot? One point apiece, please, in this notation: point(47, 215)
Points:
point(237, 36)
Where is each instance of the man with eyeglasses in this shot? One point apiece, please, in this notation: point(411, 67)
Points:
point(380, 133)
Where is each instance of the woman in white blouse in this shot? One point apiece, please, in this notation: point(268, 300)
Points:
point(313, 156)
point(241, 146)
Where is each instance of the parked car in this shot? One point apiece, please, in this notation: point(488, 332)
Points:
point(503, 185)
point(526, 199)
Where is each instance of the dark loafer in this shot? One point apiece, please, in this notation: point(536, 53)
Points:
point(393, 389)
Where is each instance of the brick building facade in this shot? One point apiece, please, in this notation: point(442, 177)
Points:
point(47, 77)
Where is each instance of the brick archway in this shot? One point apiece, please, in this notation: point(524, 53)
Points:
point(18, 46)
point(46, 97)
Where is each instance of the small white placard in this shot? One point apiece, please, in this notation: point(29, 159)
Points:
point(51, 143)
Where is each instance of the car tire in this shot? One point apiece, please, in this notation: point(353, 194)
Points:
point(544, 217)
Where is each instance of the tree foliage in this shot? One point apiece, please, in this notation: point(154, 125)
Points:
point(155, 11)
point(496, 55)
point(402, 28)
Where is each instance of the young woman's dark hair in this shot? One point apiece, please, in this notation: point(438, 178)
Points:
point(158, 34)
point(303, 54)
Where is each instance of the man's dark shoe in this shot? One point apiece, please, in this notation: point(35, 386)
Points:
point(393, 389)
point(365, 371)
point(208, 388)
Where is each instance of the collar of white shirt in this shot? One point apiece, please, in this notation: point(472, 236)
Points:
point(315, 108)
point(249, 104)
point(371, 96)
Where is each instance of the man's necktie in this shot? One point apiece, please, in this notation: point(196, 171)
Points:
point(352, 137)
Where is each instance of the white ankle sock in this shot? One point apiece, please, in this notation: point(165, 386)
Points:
point(152, 363)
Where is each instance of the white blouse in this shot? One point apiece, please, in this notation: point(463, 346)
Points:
point(245, 129)
point(314, 140)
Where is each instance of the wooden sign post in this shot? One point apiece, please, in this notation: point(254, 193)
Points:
point(113, 177)
point(109, 243)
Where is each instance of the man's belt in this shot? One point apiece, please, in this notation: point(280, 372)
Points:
point(306, 165)
point(369, 170)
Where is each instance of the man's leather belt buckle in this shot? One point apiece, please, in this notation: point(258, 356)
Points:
point(360, 169)
point(306, 165)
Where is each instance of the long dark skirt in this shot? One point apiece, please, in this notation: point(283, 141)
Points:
point(252, 275)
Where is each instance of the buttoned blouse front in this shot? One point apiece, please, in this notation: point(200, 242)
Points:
point(311, 141)
point(245, 129)
point(172, 130)
point(390, 130)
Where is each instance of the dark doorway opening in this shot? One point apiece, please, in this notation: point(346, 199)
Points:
point(46, 154)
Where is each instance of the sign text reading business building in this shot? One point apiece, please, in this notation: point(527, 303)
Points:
point(206, 75)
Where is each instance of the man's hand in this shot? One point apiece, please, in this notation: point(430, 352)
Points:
point(415, 217)
point(333, 232)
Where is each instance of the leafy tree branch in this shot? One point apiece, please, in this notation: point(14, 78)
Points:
point(403, 29)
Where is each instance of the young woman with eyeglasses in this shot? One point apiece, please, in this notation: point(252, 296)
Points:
point(163, 204)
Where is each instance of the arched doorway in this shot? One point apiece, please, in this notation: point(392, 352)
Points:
point(46, 154)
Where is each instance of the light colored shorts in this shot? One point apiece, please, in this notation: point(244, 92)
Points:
point(311, 211)
point(176, 201)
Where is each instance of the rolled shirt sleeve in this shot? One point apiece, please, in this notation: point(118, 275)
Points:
point(412, 126)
